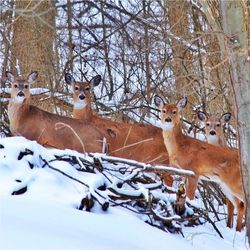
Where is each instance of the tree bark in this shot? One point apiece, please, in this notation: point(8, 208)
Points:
point(33, 40)
point(70, 40)
point(235, 21)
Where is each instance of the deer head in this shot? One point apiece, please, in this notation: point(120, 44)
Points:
point(82, 90)
point(170, 113)
point(214, 127)
point(20, 88)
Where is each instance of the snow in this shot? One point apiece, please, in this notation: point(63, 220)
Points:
point(40, 226)
point(46, 216)
point(33, 91)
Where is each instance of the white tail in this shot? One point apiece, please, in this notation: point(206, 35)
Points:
point(220, 164)
point(36, 124)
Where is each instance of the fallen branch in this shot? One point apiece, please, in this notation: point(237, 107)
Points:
point(146, 167)
point(61, 172)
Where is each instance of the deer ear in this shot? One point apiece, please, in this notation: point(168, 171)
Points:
point(96, 80)
point(225, 117)
point(32, 77)
point(182, 103)
point(158, 101)
point(202, 116)
point(69, 79)
point(10, 76)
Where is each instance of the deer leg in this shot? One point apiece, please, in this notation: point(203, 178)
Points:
point(241, 212)
point(191, 187)
point(230, 212)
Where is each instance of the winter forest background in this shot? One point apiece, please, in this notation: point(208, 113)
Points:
point(140, 48)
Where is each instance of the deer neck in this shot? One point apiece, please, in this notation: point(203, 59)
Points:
point(15, 113)
point(84, 113)
point(172, 139)
point(217, 141)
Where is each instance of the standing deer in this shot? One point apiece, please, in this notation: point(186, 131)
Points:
point(139, 142)
point(210, 162)
point(48, 129)
point(215, 135)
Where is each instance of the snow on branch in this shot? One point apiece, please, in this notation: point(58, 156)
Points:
point(146, 167)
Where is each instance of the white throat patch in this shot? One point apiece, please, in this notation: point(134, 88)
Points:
point(18, 99)
point(213, 139)
point(167, 126)
point(80, 104)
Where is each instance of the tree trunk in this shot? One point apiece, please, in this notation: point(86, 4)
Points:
point(235, 21)
point(70, 40)
point(178, 12)
point(33, 40)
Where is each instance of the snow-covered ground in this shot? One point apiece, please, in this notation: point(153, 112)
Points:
point(46, 217)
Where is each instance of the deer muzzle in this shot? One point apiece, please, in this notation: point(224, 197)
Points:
point(20, 94)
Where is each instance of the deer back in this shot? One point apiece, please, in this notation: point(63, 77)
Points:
point(133, 141)
point(138, 142)
point(58, 131)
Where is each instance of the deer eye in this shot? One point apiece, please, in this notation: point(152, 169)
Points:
point(164, 111)
point(26, 86)
point(218, 124)
point(208, 124)
point(174, 112)
point(76, 88)
point(15, 86)
point(87, 89)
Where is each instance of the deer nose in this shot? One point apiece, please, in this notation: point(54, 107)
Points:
point(20, 94)
point(212, 132)
point(81, 97)
point(168, 119)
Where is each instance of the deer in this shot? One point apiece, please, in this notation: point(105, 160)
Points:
point(215, 135)
point(214, 127)
point(207, 161)
point(140, 142)
point(48, 129)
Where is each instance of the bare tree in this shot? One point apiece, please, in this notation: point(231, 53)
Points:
point(139, 47)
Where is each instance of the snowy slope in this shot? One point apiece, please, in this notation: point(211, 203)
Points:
point(36, 225)
point(45, 215)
